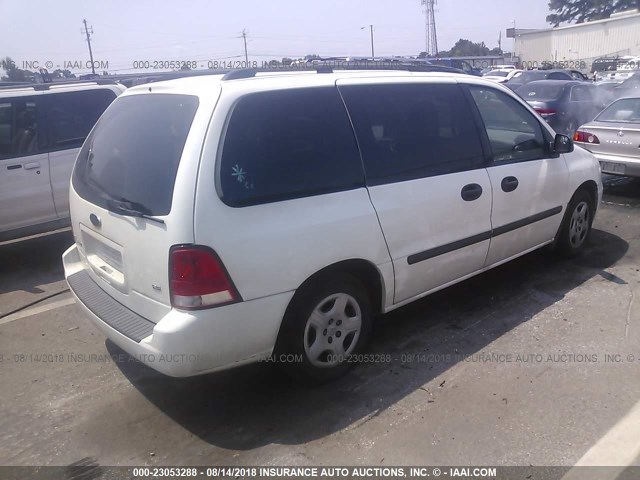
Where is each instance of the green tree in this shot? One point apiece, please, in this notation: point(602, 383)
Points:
point(580, 11)
point(13, 72)
point(466, 48)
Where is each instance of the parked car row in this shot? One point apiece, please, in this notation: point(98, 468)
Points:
point(524, 77)
point(564, 104)
point(371, 152)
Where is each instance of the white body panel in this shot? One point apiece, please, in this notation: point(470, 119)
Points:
point(25, 192)
point(413, 222)
point(542, 187)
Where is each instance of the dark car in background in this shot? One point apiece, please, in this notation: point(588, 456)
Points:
point(532, 75)
point(463, 65)
point(564, 104)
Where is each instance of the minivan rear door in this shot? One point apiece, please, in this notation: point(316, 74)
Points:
point(133, 188)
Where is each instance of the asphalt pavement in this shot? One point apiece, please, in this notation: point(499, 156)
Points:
point(536, 362)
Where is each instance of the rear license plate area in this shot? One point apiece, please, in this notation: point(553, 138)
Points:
point(104, 256)
point(612, 167)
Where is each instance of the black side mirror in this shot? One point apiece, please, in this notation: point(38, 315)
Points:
point(562, 144)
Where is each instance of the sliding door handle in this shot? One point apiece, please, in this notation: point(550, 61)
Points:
point(31, 165)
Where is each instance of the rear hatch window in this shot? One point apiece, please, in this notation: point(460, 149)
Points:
point(540, 93)
point(131, 157)
point(626, 110)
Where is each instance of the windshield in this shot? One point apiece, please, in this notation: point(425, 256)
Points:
point(625, 110)
point(540, 91)
point(497, 73)
point(132, 155)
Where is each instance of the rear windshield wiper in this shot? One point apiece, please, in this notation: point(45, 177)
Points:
point(126, 207)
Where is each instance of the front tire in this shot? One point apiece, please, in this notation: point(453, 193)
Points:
point(324, 329)
point(576, 225)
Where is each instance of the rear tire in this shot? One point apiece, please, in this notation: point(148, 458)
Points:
point(325, 328)
point(576, 225)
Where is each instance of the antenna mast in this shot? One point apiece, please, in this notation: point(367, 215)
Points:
point(431, 44)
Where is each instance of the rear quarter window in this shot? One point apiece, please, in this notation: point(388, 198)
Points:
point(286, 144)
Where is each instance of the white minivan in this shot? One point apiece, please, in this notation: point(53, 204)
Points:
point(224, 220)
point(42, 128)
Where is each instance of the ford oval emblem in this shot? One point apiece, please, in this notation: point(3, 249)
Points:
point(95, 220)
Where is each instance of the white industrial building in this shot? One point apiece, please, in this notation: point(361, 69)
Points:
point(618, 35)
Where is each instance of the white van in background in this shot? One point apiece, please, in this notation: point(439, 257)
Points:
point(42, 128)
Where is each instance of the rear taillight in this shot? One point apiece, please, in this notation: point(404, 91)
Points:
point(198, 279)
point(546, 112)
point(585, 137)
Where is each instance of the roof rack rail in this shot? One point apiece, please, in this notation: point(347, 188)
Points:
point(47, 85)
point(329, 68)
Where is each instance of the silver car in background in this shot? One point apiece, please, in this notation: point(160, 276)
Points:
point(614, 137)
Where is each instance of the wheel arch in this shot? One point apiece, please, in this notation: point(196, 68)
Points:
point(363, 270)
point(591, 188)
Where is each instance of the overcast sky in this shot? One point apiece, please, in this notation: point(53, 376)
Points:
point(50, 31)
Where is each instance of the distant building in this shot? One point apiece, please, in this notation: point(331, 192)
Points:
point(580, 44)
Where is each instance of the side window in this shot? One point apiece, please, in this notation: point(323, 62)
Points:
point(287, 144)
point(72, 115)
point(18, 127)
point(514, 133)
point(409, 131)
point(581, 93)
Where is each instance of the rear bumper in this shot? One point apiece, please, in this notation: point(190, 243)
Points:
point(181, 344)
point(632, 164)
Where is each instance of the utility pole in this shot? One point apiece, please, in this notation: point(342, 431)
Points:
point(246, 55)
point(372, 50)
point(88, 34)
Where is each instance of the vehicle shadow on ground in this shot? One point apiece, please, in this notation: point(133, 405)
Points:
point(253, 406)
point(25, 264)
point(624, 189)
